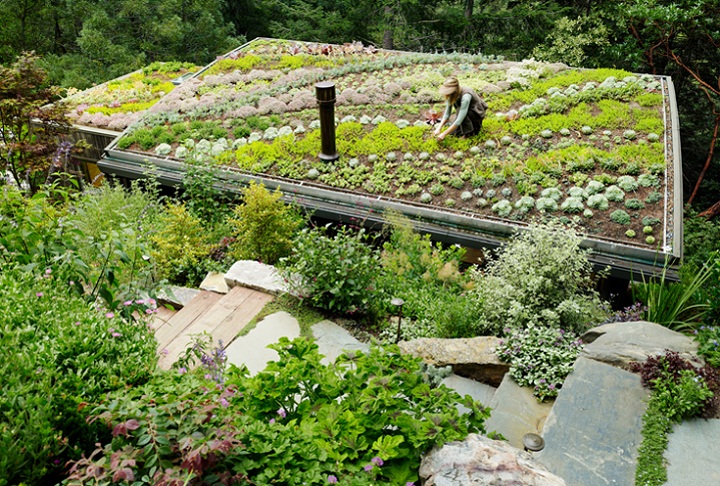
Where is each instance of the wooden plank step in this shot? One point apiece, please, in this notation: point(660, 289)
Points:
point(184, 317)
point(217, 321)
point(162, 317)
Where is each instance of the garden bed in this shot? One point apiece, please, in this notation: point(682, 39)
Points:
point(119, 103)
point(592, 147)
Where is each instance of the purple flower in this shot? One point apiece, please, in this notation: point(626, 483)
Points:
point(272, 421)
point(409, 483)
point(140, 301)
point(208, 376)
point(39, 294)
point(77, 323)
point(281, 411)
point(48, 271)
point(182, 370)
point(368, 467)
point(109, 315)
point(332, 479)
point(127, 303)
point(116, 334)
point(377, 461)
point(224, 402)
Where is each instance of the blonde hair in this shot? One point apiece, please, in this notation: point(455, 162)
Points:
point(451, 90)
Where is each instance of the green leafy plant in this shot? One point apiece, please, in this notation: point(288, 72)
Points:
point(708, 338)
point(263, 225)
point(60, 353)
point(180, 249)
point(366, 420)
point(674, 305)
point(334, 272)
point(678, 391)
point(427, 277)
point(541, 277)
point(540, 357)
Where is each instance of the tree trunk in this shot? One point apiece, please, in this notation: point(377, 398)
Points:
point(388, 33)
point(469, 4)
point(713, 142)
point(712, 211)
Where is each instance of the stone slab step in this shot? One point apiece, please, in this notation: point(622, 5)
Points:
point(593, 431)
point(215, 282)
point(251, 350)
point(693, 453)
point(222, 320)
point(255, 275)
point(334, 340)
point(177, 297)
point(465, 386)
point(516, 412)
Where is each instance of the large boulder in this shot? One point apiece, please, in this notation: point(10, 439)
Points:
point(620, 343)
point(480, 461)
point(473, 358)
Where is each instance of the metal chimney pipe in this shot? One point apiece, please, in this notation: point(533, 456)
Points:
point(325, 93)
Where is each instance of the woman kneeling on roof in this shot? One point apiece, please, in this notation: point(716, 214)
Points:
point(469, 106)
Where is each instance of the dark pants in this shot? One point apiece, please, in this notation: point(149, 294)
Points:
point(470, 126)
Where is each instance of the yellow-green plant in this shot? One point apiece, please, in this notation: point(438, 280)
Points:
point(263, 225)
point(179, 246)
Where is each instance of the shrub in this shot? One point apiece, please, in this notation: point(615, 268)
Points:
point(338, 273)
point(180, 247)
point(367, 421)
point(427, 277)
point(263, 225)
point(58, 354)
point(541, 277)
point(540, 358)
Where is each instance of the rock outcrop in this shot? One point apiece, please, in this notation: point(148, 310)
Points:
point(480, 461)
point(620, 343)
point(473, 358)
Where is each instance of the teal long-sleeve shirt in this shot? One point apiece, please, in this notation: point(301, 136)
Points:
point(462, 112)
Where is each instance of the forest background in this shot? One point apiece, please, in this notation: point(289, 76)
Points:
point(84, 42)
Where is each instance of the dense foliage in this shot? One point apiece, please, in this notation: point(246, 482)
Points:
point(542, 277)
point(679, 390)
point(365, 420)
point(540, 358)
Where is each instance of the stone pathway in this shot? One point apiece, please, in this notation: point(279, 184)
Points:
point(693, 453)
point(593, 431)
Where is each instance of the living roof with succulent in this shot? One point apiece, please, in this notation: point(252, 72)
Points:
point(119, 103)
point(591, 147)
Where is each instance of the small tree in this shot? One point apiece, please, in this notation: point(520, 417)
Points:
point(30, 131)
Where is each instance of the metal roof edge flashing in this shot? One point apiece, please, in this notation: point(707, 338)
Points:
point(361, 206)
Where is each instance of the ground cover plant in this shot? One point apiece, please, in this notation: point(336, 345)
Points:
point(557, 142)
point(679, 390)
point(118, 103)
point(365, 420)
